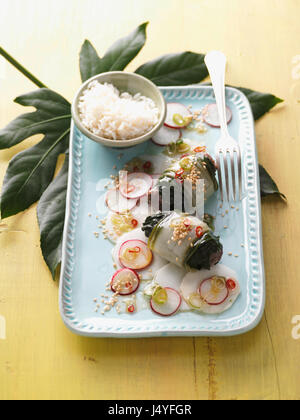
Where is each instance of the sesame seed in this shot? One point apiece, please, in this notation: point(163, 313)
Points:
point(225, 227)
point(230, 254)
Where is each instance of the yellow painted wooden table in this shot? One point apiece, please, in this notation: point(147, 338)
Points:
point(40, 358)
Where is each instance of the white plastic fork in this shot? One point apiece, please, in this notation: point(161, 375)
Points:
point(227, 149)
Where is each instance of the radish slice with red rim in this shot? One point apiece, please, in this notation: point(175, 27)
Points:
point(214, 291)
point(125, 282)
point(166, 136)
point(135, 254)
point(135, 185)
point(117, 203)
point(211, 115)
point(170, 307)
point(178, 116)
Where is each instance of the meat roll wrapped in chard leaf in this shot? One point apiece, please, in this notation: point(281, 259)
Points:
point(178, 187)
point(183, 240)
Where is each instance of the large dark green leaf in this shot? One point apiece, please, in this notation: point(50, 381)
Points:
point(30, 172)
point(117, 57)
point(260, 103)
point(51, 217)
point(90, 62)
point(267, 185)
point(175, 69)
point(52, 116)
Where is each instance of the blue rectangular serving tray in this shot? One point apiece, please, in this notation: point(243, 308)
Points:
point(87, 264)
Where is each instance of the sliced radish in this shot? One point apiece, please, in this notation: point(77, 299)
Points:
point(177, 110)
point(166, 136)
point(125, 282)
point(135, 185)
point(135, 254)
point(170, 307)
point(190, 289)
point(117, 203)
point(212, 293)
point(211, 115)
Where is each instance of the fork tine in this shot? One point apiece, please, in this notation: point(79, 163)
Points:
point(233, 174)
point(220, 175)
point(226, 169)
point(239, 164)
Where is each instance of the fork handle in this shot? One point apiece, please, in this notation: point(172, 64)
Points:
point(216, 64)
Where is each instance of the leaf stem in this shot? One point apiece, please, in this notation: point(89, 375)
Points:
point(22, 69)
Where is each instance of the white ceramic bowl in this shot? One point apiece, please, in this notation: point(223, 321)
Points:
point(125, 82)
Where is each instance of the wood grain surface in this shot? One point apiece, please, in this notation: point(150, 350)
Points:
point(40, 358)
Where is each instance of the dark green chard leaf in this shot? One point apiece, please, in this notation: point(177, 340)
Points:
point(152, 221)
point(117, 57)
point(175, 69)
point(30, 172)
point(206, 252)
point(267, 185)
point(51, 217)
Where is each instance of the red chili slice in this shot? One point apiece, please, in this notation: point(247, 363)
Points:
point(199, 232)
point(185, 155)
point(200, 149)
point(131, 309)
point(187, 223)
point(179, 173)
point(135, 250)
point(231, 284)
point(130, 189)
point(134, 223)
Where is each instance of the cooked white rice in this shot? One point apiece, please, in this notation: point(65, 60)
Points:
point(109, 114)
